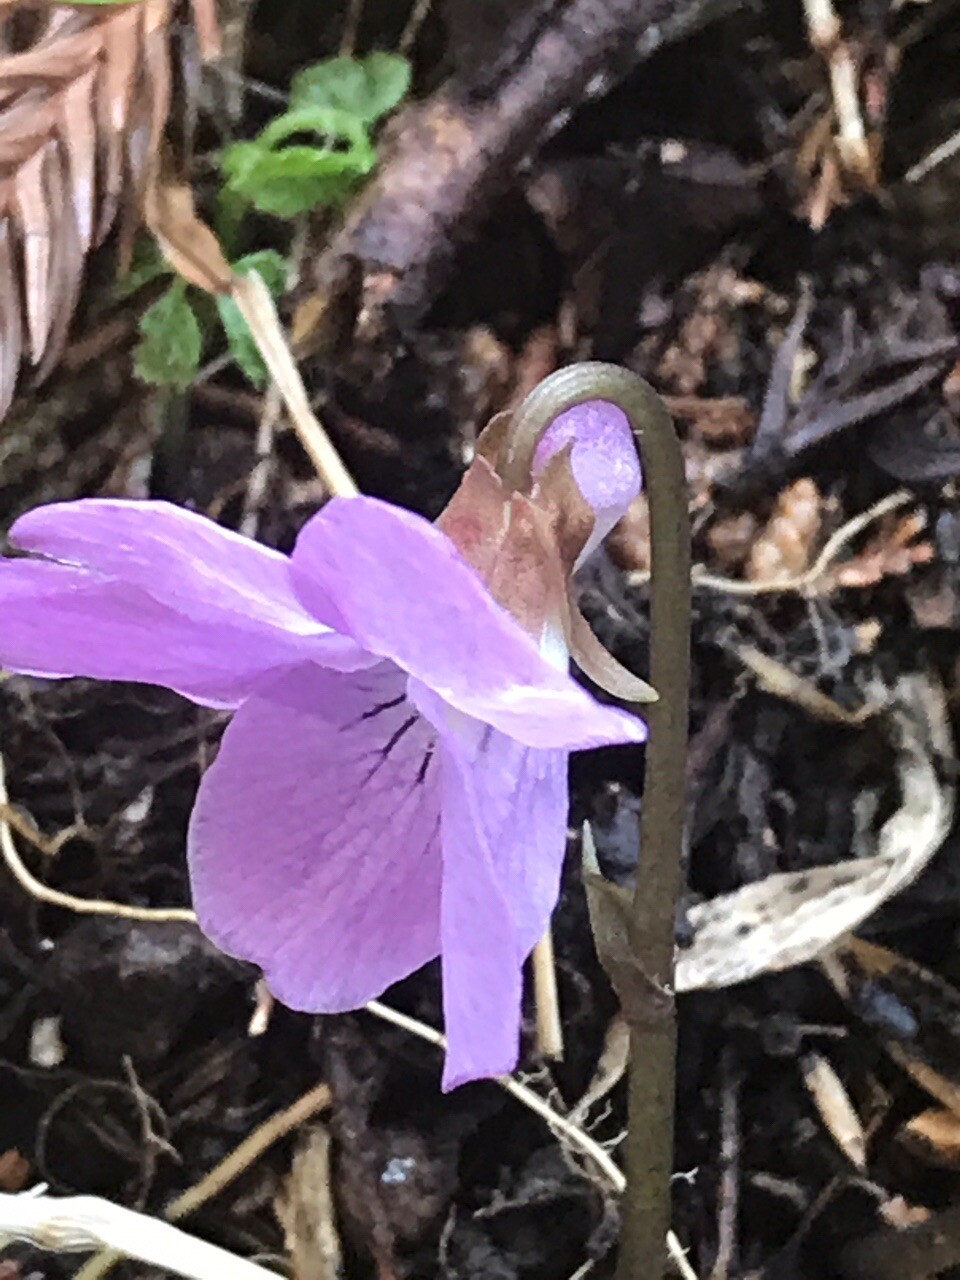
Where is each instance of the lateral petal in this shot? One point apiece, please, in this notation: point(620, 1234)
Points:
point(314, 845)
point(401, 589)
point(147, 591)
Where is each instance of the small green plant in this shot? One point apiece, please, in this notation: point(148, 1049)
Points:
point(173, 329)
point(171, 341)
point(337, 102)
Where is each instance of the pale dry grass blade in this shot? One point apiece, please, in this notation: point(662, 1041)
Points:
point(79, 131)
point(121, 51)
point(207, 28)
point(11, 324)
point(33, 220)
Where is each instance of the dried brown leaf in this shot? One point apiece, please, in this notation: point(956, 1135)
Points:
point(207, 28)
point(11, 324)
point(726, 422)
point(934, 1136)
point(900, 1213)
point(708, 335)
point(188, 244)
point(777, 679)
point(786, 546)
point(82, 112)
point(14, 1171)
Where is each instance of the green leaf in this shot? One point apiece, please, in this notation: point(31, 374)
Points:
point(293, 179)
point(287, 180)
point(170, 341)
point(327, 122)
point(366, 88)
point(243, 349)
point(230, 209)
point(273, 270)
point(272, 266)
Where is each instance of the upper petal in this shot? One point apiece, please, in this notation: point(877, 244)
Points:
point(314, 846)
point(504, 834)
point(146, 591)
point(402, 590)
point(603, 459)
point(178, 557)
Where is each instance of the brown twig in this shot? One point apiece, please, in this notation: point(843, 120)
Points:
point(547, 999)
point(453, 155)
point(824, 29)
point(419, 12)
point(351, 28)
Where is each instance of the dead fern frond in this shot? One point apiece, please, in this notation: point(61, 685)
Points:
point(84, 96)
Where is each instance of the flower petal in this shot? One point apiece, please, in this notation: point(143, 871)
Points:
point(604, 460)
point(179, 558)
point(504, 835)
point(402, 590)
point(314, 845)
point(146, 591)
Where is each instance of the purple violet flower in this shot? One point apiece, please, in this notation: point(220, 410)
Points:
point(393, 784)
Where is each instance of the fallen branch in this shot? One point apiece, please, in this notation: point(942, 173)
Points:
point(453, 155)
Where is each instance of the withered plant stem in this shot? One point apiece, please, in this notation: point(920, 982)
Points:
point(649, 1145)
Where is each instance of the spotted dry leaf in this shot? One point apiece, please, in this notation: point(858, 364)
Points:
point(792, 918)
point(84, 96)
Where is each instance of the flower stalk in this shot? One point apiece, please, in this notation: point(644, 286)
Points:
point(650, 1010)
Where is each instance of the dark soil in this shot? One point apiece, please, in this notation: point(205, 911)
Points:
point(663, 223)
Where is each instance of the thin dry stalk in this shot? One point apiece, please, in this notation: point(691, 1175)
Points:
point(815, 580)
point(572, 1135)
point(852, 143)
point(238, 1161)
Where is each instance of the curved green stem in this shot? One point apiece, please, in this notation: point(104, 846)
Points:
point(646, 1204)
